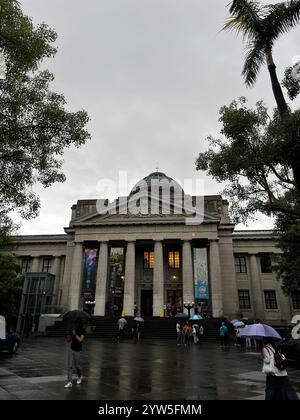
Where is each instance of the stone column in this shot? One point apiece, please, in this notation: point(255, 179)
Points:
point(66, 278)
point(56, 271)
point(257, 293)
point(35, 266)
point(158, 279)
point(215, 279)
point(129, 286)
point(101, 282)
point(75, 284)
point(187, 273)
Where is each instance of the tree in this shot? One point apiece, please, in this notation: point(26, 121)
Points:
point(291, 80)
point(253, 156)
point(35, 127)
point(287, 265)
point(261, 27)
point(10, 287)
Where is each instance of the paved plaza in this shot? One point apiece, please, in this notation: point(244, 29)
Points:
point(149, 370)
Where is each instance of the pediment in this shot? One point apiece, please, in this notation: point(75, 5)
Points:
point(117, 213)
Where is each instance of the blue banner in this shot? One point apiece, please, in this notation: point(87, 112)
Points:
point(200, 273)
point(89, 269)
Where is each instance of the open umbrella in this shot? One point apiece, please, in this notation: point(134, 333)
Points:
point(259, 330)
point(71, 316)
point(195, 317)
point(138, 319)
point(239, 324)
point(181, 315)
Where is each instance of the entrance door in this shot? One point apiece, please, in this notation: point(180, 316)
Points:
point(146, 302)
point(174, 300)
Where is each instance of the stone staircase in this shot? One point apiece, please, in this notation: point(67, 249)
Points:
point(152, 328)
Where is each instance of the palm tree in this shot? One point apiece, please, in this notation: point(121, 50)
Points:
point(262, 26)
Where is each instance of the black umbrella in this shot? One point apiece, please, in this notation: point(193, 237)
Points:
point(74, 315)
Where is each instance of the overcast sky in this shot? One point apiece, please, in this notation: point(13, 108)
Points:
point(152, 75)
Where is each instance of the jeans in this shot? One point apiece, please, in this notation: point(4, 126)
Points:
point(73, 362)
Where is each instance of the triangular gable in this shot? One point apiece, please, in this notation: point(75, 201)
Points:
point(174, 217)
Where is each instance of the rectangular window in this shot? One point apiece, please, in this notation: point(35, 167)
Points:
point(265, 263)
point(296, 299)
point(244, 299)
point(148, 259)
point(240, 264)
point(174, 259)
point(46, 265)
point(26, 265)
point(270, 299)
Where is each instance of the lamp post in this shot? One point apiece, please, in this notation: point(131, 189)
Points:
point(188, 306)
point(90, 304)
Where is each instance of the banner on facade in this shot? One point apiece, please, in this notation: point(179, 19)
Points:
point(200, 273)
point(89, 269)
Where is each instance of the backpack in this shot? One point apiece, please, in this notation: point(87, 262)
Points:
point(280, 360)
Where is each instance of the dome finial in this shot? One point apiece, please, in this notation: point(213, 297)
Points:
point(157, 166)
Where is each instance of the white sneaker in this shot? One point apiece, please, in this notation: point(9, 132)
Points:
point(68, 385)
point(79, 380)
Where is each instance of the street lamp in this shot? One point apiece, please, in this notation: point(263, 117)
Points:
point(90, 305)
point(188, 306)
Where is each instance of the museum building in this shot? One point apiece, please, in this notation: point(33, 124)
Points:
point(148, 251)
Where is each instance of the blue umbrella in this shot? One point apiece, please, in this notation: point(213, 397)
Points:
point(194, 317)
point(259, 330)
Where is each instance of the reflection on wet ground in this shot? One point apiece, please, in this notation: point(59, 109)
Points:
point(148, 370)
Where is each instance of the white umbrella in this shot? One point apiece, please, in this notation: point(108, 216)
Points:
point(138, 319)
point(239, 324)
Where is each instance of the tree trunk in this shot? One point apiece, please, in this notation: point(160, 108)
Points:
point(283, 110)
point(279, 98)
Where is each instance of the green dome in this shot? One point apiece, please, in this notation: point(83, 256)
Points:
point(160, 177)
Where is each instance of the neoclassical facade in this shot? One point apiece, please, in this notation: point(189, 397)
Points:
point(156, 257)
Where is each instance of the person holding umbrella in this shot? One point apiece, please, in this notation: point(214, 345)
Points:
point(278, 386)
point(76, 338)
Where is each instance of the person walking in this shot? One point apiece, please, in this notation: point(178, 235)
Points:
point(76, 338)
point(187, 334)
point(201, 333)
point(223, 334)
point(278, 386)
point(121, 326)
point(195, 332)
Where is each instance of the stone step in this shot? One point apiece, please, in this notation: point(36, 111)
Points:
point(152, 328)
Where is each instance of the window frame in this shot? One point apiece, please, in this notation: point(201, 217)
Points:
point(28, 261)
point(239, 265)
point(268, 299)
point(174, 260)
point(295, 297)
point(244, 299)
point(148, 262)
point(48, 266)
point(264, 268)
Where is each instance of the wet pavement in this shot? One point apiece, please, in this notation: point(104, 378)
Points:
point(148, 370)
